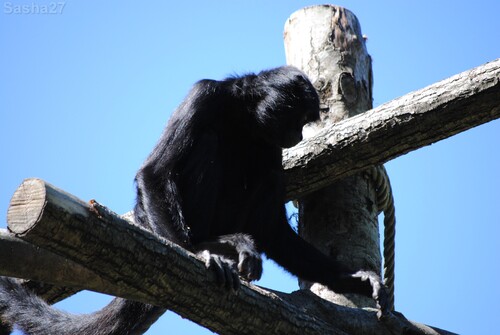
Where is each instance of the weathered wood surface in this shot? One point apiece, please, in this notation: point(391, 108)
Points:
point(326, 43)
point(137, 265)
point(412, 121)
point(21, 259)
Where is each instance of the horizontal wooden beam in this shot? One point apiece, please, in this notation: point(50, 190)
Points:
point(393, 129)
point(21, 259)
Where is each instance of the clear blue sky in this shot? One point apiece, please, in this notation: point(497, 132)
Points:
point(86, 92)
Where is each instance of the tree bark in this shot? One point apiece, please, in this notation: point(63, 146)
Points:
point(135, 264)
point(340, 219)
point(412, 121)
point(21, 259)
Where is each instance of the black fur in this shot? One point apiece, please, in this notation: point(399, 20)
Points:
point(34, 316)
point(214, 184)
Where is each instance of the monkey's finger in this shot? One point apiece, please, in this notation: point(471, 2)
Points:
point(250, 266)
point(382, 299)
point(225, 275)
point(218, 268)
point(257, 269)
point(231, 280)
point(235, 280)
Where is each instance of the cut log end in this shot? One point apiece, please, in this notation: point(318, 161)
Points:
point(26, 206)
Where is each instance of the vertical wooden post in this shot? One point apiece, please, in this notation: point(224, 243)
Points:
point(341, 220)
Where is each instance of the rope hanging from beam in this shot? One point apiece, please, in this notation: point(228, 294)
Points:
point(385, 203)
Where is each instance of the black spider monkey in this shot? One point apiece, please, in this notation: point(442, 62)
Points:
point(214, 184)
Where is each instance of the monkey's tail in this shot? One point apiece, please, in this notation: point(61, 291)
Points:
point(22, 308)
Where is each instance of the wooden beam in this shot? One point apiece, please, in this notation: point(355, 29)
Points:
point(395, 128)
point(21, 259)
point(135, 264)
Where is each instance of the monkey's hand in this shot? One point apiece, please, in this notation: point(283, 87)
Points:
point(379, 291)
point(225, 269)
point(249, 264)
point(230, 256)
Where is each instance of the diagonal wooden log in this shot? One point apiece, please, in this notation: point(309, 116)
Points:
point(135, 264)
point(412, 121)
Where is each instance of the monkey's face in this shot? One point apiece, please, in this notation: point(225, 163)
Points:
point(282, 126)
point(290, 126)
point(288, 101)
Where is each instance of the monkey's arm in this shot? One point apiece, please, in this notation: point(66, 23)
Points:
point(305, 261)
point(282, 244)
point(232, 254)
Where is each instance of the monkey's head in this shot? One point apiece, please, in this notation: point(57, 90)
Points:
point(289, 101)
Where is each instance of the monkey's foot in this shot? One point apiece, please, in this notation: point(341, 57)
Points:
point(379, 292)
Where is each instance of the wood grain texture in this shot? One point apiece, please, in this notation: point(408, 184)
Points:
point(133, 263)
point(395, 128)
